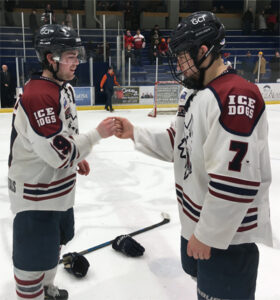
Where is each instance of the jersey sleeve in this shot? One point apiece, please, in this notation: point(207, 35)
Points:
point(158, 144)
point(232, 162)
point(40, 123)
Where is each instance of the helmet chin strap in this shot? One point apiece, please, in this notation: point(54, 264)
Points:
point(54, 73)
point(197, 84)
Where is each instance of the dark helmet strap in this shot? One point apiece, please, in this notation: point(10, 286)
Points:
point(198, 63)
point(54, 73)
point(193, 53)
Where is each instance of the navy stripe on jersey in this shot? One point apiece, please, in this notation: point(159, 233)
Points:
point(40, 191)
point(233, 189)
point(191, 209)
point(53, 190)
point(46, 185)
point(250, 221)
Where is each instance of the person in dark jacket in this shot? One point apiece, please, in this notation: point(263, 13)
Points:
point(248, 67)
point(275, 67)
point(247, 22)
point(107, 85)
point(6, 88)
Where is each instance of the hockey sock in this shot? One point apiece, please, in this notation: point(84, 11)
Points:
point(29, 285)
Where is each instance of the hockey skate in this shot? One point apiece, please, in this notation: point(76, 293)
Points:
point(54, 293)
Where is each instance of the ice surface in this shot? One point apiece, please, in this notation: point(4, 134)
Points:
point(126, 191)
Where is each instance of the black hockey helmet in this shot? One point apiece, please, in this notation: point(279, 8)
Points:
point(199, 28)
point(56, 39)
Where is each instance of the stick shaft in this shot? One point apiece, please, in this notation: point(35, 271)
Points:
point(164, 221)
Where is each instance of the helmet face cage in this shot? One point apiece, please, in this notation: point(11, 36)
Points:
point(178, 67)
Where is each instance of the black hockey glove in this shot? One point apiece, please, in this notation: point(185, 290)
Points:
point(128, 246)
point(75, 264)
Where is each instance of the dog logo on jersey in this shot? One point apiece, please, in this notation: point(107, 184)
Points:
point(186, 147)
point(67, 110)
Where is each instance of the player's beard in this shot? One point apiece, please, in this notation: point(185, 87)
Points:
point(195, 82)
point(193, 76)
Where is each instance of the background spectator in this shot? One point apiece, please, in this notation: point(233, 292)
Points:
point(128, 39)
point(154, 53)
point(139, 44)
point(261, 23)
point(129, 53)
point(271, 22)
point(6, 88)
point(275, 67)
point(262, 67)
point(248, 67)
point(48, 14)
point(68, 19)
point(247, 22)
point(163, 47)
point(155, 33)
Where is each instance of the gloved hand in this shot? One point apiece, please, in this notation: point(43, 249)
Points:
point(128, 246)
point(76, 264)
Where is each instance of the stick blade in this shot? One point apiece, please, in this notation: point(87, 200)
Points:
point(165, 216)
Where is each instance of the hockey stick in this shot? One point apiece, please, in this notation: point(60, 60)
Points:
point(166, 219)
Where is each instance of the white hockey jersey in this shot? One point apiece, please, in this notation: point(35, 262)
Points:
point(45, 147)
point(221, 162)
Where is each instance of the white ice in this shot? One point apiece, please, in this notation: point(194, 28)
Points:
point(126, 191)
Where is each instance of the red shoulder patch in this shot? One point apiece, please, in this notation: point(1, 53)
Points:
point(40, 102)
point(240, 102)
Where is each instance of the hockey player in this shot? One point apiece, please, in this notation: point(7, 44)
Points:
point(46, 152)
point(221, 160)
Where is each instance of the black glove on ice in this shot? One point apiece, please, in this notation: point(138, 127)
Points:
point(75, 264)
point(128, 246)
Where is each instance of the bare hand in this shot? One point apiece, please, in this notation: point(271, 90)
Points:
point(124, 129)
point(83, 168)
point(107, 127)
point(197, 249)
point(101, 90)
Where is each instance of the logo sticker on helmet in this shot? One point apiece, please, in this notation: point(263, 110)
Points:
point(197, 20)
point(46, 30)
